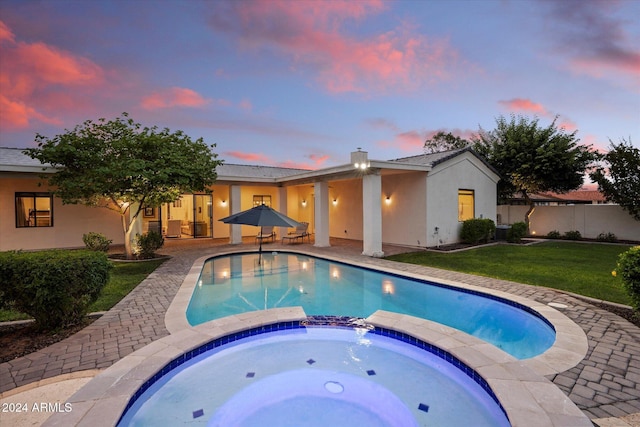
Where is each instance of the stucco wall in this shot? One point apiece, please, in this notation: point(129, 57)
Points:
point(404, 219)
point(345, 216)
point(589, 220)
point(70, 222)
point(443, 182)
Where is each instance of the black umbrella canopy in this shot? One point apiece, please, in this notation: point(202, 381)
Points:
point(261, 216)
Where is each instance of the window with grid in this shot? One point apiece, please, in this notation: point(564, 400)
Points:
point(34, 210)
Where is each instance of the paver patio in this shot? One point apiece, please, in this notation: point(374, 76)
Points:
point(605, 384)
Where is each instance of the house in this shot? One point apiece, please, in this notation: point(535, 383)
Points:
point(417, 201)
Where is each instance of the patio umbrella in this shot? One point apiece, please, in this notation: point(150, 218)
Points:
point(261, 216)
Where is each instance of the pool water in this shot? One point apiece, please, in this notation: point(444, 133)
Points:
point(316, 376)
point(237, 283)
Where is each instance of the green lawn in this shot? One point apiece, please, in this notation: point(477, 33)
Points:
point(125, 276)
point(581, 268)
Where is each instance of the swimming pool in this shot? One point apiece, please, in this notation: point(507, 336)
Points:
point(311, 376)
point(235, 284)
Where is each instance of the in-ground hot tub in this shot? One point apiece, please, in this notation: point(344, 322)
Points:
point(318, 376)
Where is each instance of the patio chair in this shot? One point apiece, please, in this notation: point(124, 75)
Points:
point(266, 233)
point(299, 233)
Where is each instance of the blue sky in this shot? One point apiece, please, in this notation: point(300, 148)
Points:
point(303, 83)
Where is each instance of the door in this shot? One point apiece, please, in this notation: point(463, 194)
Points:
point(202, 215)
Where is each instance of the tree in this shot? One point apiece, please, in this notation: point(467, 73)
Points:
point(533, 159)
point(444, 141)
point(619, 180)
point(123, 166)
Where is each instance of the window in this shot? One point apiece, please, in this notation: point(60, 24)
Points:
point(262, 200)
point(466, 203)
point(34, 210)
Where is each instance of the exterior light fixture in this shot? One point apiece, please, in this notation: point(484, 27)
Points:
point(388, 200)
point(335, 202)
point(223, 202)
point(304, 202)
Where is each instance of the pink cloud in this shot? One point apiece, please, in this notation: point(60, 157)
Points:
point(32, 74)
point(246, 105)
point(250, 157)
point(17, 115)
point(318, 160)
point(174, 97)
point(314, 34)
point(412, 141)
point(6, 33)
point(524, 105)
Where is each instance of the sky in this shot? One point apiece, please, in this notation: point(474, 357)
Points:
point(304, 83)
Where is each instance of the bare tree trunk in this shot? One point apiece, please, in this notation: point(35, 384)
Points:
point(527, 215)
point(126, 228)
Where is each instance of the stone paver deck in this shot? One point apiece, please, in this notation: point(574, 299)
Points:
point(605, 384)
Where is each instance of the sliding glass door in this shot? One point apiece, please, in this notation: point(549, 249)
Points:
point(188, 217)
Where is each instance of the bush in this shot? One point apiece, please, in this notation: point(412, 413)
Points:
point(555, 234)
point(573, 235)
point(629, 269)
point(147, 244)
point(517, 231)
point(96, 242)
point(477, 230)
point(54, 287)
point(607, 237)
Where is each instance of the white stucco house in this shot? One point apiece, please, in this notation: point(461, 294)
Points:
point(417, 201)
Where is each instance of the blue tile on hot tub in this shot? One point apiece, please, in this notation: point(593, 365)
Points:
point(251, 374)
point(198, 413)
point(423, 407)
point(371, 372)
point(311, 361)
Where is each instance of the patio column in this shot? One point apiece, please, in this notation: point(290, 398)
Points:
point(372, 214)
point(282, 208)
point(235, 207)
point(321, 203)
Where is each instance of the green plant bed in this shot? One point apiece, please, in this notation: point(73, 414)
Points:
point(124, 278)
point(580, 268)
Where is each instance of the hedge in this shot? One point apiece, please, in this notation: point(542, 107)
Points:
point(55, 287)
point(477, 230)
point(629, 269)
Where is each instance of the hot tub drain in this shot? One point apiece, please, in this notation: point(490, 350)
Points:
point(333, 387)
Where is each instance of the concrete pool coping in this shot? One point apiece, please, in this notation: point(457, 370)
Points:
point(570, 347)
point(524, 394)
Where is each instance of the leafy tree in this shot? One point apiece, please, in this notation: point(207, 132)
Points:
point(620, 180)
point(444, 141)
point(120, 165)
point(532, 158)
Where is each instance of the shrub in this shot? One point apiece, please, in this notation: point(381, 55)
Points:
point(629, 269)
point(96, 242)
point(477, 230)
point(573, 235)
point(607, 237)
point(147, 244)
point(54, 287)
point(517, 231)
point(555, 234)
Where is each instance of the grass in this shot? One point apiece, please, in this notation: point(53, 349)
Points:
point(125, 276)
point(580, 268)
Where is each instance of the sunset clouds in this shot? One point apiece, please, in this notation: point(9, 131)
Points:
point(316, 36)
point(174, 97)
point(31, 73)
point(303, 83)
point(596, 40)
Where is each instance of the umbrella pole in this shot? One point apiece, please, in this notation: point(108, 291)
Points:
point(260, 248)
